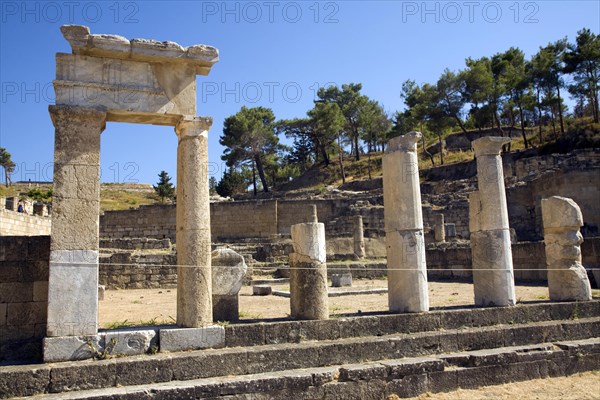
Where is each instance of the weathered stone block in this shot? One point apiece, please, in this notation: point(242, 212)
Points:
point(40, 291)
point(18, 381)
point(82, 376)
point(192, 338)
point(68, 348)
point(30, 313)
point(141, 370)
point(130, 342)
point(73, 293)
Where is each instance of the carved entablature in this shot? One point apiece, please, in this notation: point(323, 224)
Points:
point(138, 80)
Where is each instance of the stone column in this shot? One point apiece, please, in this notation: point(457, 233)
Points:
point(567, 278)
point(439, 230)
point(194, 281)
point(308, 271)
point(73, 275)
point(493, 277)
point(359, 238)
point(407, 272)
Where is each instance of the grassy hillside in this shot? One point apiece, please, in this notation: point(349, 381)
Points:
point(112, 196)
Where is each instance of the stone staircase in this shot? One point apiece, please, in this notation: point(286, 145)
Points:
point(364, 357)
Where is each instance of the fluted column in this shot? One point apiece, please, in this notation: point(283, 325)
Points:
point(194, 279)
point(407, 271)
point(493, 277)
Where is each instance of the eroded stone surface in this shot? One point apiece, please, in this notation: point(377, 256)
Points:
point(308, 272)
point(359, 238)
point(192, 338)
point(493, 276)
point(567, 278)
point(228, 272)
point(73, 293)
point(407, 271)
point(194, 276)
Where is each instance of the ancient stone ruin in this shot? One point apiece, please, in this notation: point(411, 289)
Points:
point(567, 279)
point(308, 270)
point(109, 78)
point(405, 352)
point(493, 278)
point(407, 271)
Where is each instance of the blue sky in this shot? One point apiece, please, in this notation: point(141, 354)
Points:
point(272, 53)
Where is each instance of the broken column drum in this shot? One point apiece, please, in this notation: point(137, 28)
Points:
point(359, 237)
point(108, 78)
point(405, 244)
point(228, 273)
point(308, 271)
point(493, 277)
point(567, 278)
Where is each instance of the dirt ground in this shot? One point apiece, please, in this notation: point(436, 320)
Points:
point(155, 306)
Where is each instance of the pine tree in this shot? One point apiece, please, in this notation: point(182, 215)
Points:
point(164, 188)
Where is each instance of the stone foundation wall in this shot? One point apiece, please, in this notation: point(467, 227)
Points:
point(24, 263)
point(13, 223)
point(124, 270)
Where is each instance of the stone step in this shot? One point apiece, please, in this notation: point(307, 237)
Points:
point(406, 377)
point(182, 366)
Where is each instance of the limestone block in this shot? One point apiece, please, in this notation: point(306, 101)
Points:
point(200, 57)
point(308, 288)
point(493, 277)
point(567, 278)
point(77, 135)
point(561, 212)
point(183, 339)
point(226, 308)
point(130, 342)
point(309, 240)
point(2, 203)
point(77, 181)
point(341, 280)
point(407, 272)
point(3, 308)
point(75, 224)
point(261, 290)
point(228, 272)
point(73, 293)
point(40, 291)
point(70, 348)
point(402, 193)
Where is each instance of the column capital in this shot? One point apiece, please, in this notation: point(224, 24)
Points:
point(489, 145)
point(61, 114)
point(189, 126)
point(406, 142)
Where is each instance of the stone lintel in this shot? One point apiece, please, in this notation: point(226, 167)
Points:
point(406, 142)
point(182, 339)
point(200, 57)
point(489, 145)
